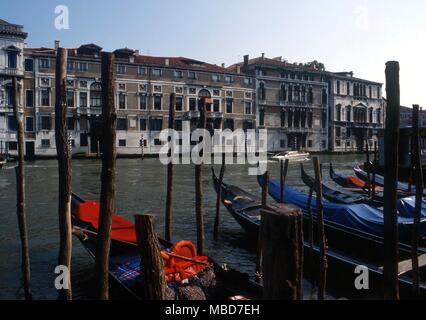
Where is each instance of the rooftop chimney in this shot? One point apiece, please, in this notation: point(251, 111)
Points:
point(238, 68)
point(263, 55)
point(136, 52)
point(56, 45)
point(223, 65)
point(246, 60)
point(167, 62)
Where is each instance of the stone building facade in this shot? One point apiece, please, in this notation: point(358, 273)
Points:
point(12, 38)
point(291, 103)
point(143, 88)
point(356, 112)
point(302, 106)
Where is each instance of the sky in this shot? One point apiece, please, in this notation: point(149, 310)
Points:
point(346, 35)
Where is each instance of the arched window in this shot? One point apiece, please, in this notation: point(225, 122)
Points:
point(348, 113)
point(261, 116)
point(303, 94)
point(290, 93)
point(310, 95)
point(262, 93)
point(283, 93)
point(283, 117)
point(324, 97)
point(297, 93)
point(338, 113)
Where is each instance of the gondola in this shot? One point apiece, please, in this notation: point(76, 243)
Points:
point(338, 196)
point(380, 181)
point(405, 204)
point(124, 264)
point(353, 183)
point(345, 247)
point(360, 217)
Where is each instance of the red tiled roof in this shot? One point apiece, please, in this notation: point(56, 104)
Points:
point(173, 62)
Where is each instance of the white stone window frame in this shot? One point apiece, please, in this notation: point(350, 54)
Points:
point(146, 124)
point(251, 107)
point(44, 85)
point(230, 77)
point(194, 93)
point(26, 117)
point(41, 97)
point(195, 75)
point(216, 77)
point(159, 69)
point(144, 94)
point(180, 95)
point(118, 100)
point(81, 86)
point(33, 105)
point(188, 104)
point(157, 91)
point(214, 94)
point(87, 92)
point(120, 65)
point(74, 92)
point(143, 87)
point(179, 88)
point(40, 63)
point(80, 65)
point(153, 101)
point(121, 89)
point(144, 73)
point(229, 94)
point(178, 71)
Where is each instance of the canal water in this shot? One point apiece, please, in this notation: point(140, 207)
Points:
point(141, 188)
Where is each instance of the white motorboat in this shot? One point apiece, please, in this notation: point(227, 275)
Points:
point(291, 155)
point(3, 161)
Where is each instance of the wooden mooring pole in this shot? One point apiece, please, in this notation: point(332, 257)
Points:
point(64, 169)
point(169, 197)
point(282, 250)
point(417, 162)
point(367, 165)
point(283, 176)
point(321, 234)
point(199, 187)
point(20, 195)
point(219, 196)
point(152, 264)
point(265, 185)
point(311, 234)
point(390, 269)
point(374, 169)
point(109, 118)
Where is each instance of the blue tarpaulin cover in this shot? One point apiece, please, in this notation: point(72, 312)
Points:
point(356, 216)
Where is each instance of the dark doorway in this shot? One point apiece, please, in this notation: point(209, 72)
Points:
point(30, 149)
point(95, 134)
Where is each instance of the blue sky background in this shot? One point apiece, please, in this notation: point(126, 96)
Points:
point(356, 35)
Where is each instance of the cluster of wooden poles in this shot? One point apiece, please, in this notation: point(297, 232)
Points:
point(145, 230)
point(269, 246)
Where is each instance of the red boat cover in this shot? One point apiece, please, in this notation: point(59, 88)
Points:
point(121, 230)
point(361, 184)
